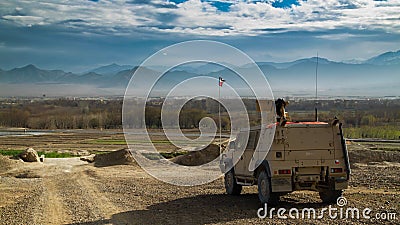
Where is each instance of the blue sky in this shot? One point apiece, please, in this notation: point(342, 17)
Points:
point(79, 35)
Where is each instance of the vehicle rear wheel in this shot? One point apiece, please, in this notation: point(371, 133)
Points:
point(231, 186)
point(330, 196)
point(264, 189)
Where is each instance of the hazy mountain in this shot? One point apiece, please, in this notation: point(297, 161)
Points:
point(354, 61)
point(377, 76)
point(90, 78)
point(122, 78)
point(285, 65)
point(30, 74)
point(110, 70)
point(199, 67)
point(388, 58)
point(334, 78)
point(67, 78)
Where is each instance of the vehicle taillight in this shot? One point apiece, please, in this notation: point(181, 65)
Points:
point(285, 171)
point(336, 170)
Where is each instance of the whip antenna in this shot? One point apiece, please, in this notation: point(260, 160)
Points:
point(316, 90)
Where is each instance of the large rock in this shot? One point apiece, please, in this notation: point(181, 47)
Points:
point(29, 155)
point(88, 158)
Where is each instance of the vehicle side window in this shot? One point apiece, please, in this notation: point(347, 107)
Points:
point(252, 140)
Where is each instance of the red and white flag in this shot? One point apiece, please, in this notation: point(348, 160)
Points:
point(221, 81)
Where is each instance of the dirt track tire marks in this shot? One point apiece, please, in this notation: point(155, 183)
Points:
point(85, 203)
point(54, 208)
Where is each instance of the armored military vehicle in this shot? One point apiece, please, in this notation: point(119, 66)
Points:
point(303, 156)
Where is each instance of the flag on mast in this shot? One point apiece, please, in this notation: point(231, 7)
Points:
point(221, 81)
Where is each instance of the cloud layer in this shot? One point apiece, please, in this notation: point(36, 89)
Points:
point(209, 18)
point(77, 34)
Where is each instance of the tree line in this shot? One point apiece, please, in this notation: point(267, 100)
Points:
point(106, 114)
point(61, 114)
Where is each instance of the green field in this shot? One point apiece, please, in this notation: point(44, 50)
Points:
point(380, 132)
point(46, 154)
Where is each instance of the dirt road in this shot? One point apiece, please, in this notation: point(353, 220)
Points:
point(69, 191)
point(63, 193)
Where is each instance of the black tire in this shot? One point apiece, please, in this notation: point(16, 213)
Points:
point(330, 196)
point(264, 189)
point(232, 188)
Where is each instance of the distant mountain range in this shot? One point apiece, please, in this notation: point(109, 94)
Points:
point(110, 70)
point(379, 75)
point(388, 58)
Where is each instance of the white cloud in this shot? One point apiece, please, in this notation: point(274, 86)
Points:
point(25, 20)
point(341, 36)
point(202, 18)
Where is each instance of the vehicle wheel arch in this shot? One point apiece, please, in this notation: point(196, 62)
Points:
point(264, 165)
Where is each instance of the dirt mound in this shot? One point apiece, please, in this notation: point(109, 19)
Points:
point(16, 168)
point(365, 156)
point(119, 157)
point(197, 158)
point(6, 164)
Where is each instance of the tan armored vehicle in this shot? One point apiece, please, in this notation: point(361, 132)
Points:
point(303, 156)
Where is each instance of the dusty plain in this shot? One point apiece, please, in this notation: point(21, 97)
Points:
point(71, 191)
